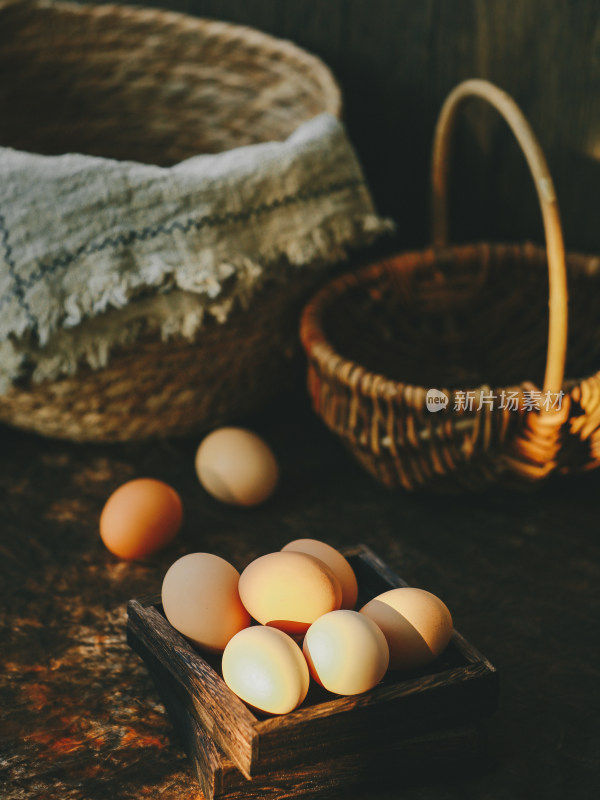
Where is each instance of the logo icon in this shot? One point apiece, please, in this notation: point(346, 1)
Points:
point(436, 400)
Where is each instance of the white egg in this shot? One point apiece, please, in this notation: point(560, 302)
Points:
point(416, 624)
point(289, 590)
point(236, 466)
point(346, 652)
point(334, 560)
point(265, 668)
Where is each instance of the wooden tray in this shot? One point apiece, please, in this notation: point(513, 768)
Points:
point(330, 742)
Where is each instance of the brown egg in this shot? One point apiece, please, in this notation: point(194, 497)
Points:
point(266, 668)
point(416, 624)
point(335, 561)
point(200, 599)
point(236, 466)
point(289, 590)
point(346, 652)
point(140, 518)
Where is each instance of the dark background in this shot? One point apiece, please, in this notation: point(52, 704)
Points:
point(396, 61)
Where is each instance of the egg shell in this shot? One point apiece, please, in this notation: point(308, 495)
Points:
point(236, 466)
point(289, 590)
point(200, 599)
point(266, 669)
point(416, 624)
point(335, 561)
point(141, 517)
point(346, 652)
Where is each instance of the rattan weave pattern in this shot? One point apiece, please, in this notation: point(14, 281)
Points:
point(156, 87)
point(459, 319)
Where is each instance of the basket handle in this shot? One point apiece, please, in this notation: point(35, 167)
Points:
point(557, 325)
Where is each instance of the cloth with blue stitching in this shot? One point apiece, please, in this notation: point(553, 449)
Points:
point(95, 252)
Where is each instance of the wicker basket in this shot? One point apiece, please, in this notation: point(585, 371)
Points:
point(148, 85)
point(471, 323)
point(156, 87)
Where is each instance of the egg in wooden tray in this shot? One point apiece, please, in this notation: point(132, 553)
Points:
point(328, 742)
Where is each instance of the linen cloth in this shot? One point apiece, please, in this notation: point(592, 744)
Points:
point(96, 252)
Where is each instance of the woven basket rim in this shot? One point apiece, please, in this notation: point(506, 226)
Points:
point(260, 43)
point(349, 372)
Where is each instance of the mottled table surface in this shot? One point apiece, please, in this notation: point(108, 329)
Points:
point(79, 717)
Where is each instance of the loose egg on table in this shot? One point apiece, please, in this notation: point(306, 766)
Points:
point(289, 590)
point(266, 669)
point(200, 599)
point(334, 560)
point(346, 652)
point(140, 518)
point(416, 624)
point(236, 466)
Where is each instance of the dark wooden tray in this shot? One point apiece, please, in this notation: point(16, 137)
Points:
point(329, 742)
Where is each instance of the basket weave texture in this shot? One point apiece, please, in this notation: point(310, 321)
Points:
point(149, 85)
point(472, 322)
point(156, 87)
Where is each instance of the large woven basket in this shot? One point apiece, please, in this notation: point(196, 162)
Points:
point(156, 87)
point(444, 368)
point(148, 85)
